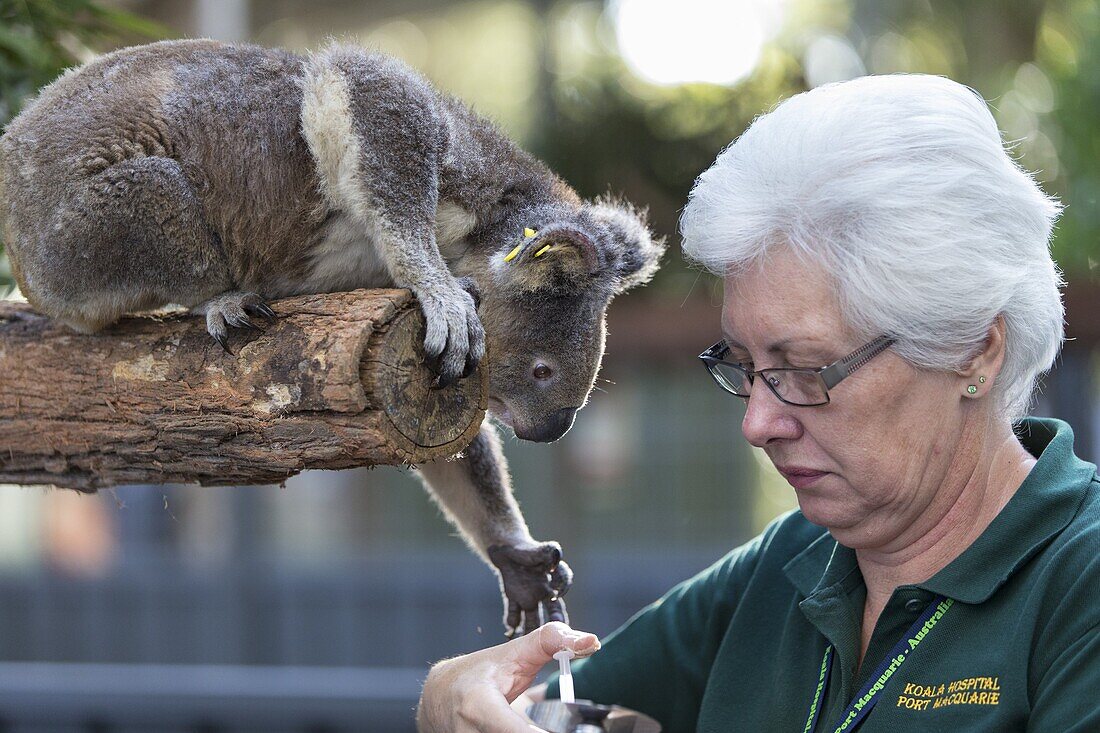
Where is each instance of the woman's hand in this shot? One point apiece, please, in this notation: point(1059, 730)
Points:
point(471, 694)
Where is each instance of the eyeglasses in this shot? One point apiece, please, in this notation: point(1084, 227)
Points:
point(792, 385)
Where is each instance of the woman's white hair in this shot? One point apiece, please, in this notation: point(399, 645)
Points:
point(900, 188)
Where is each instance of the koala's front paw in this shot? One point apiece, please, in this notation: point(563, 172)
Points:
point(532, 578)
point(233, 308)
point(454, 339)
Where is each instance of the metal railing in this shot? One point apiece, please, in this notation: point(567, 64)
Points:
point(264, 647)
point(117, 698)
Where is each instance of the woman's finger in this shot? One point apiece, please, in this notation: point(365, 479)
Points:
point(492, 714)
point(531, 652)
point(518, 662)
point(473, 692)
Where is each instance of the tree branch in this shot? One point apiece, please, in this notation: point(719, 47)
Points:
point(338, 381)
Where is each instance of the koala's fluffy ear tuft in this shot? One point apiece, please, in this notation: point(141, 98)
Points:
point(636, 253)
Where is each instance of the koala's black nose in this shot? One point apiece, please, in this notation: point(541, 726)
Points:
point(553, 427)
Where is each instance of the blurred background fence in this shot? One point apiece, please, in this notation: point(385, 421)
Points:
point(318, 606)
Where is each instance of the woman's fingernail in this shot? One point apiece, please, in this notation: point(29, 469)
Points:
point(584, 643)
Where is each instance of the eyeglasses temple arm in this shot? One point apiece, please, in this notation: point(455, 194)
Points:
point(837, 371)
point(714, 351)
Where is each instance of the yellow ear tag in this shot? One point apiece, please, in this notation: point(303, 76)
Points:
point(512, 255)
point(529, 232)
point(541, 251)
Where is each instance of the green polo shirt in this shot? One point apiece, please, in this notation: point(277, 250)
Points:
point(739, 647)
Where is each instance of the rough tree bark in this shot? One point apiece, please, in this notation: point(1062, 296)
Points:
point(338, 381)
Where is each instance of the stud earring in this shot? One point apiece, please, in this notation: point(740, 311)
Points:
point(972, 389)
point(981, 380)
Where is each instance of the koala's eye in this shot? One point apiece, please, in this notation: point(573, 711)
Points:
point(543, 372)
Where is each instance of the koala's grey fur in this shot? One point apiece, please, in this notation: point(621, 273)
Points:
point(218, 176)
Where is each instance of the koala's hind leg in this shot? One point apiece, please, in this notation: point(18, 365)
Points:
point(132, 238)
point(232, 309)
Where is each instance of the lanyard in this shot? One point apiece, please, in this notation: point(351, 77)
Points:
point(868, 696)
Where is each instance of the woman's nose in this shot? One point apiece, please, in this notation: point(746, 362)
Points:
point(767, 418)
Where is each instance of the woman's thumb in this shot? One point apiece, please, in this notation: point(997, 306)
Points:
point(526, 656)
point(539, 647)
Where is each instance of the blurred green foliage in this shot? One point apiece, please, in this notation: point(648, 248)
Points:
point(579, 106)
point(41, 38)
point(1068, 51)
point(1036, 61)
point(1038, 64)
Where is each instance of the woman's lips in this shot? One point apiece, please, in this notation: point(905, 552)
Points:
point(801, 478)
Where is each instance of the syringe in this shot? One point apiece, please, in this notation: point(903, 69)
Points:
point(565, 678)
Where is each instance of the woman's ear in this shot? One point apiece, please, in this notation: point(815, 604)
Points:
point(983, 369)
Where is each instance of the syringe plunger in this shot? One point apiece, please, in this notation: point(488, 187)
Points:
point(565, 677)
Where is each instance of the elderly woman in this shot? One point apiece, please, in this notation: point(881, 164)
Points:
point(890, 302)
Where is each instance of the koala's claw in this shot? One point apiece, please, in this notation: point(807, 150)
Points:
point(246, 322)
point(454, 340)
point(470, 286)
point(232, 309)
point(222, 338)
point(264, 310)
point(533, 581)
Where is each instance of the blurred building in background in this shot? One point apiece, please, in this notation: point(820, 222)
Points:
point(318, 605)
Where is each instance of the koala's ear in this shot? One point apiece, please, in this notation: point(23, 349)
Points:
point(634, 253)
point(555, 256)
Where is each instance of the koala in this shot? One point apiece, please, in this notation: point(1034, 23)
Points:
point(221, 176)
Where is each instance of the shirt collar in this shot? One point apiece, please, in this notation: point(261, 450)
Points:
point(821, 565)
point(1042, 507)
point(1045, 503)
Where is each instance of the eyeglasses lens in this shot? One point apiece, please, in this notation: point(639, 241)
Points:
point(796, 387)
point(731, 379)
